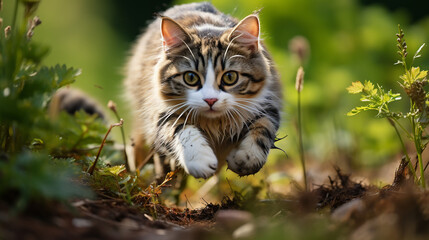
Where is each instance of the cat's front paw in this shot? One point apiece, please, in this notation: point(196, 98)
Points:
point(247, 159)
point(203, 164)
point(198, 159)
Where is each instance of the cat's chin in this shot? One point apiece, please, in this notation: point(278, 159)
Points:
point(211, 114)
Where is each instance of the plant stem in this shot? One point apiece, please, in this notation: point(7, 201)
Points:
point(301, 146)
point(404, 149)
point(15, 15)
point(91, 169)
point(417, 143)
point(422, 171)
point(402, 127)
point(127, 165)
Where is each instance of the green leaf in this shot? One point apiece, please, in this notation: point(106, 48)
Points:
point(422, 74)
point(415, 72)
point(355, 88)
point(376, 99)
point(65, 76)
point(358, 110)
point(369, 88)
point(417, 55)
point(112, 171)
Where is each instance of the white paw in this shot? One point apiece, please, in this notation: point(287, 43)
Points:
point(201, 164)
point(247, 159)
point(198, 159)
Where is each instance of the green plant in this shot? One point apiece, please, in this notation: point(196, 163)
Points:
point(413, 82)
point(34, 178)
point(43, 155)
point(32, 142)
point(26, 86)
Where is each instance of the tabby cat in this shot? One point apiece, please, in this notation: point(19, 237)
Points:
point(204, 91)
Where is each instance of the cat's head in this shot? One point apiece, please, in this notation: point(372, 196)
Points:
point(213, 70)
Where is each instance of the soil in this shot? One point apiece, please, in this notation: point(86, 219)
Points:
point(397, 211)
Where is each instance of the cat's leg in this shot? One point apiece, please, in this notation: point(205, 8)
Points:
point(189, 147)
point(251, 153)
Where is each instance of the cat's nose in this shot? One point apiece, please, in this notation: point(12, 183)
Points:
point(210, 101)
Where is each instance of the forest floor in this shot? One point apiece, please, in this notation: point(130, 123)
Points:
point(341, 208)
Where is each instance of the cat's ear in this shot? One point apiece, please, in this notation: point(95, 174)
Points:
point(246, 32)
point(172, 33)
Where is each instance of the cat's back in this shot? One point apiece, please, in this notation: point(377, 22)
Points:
point(194, 14)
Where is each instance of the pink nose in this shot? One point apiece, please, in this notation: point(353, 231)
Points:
point(210, 101)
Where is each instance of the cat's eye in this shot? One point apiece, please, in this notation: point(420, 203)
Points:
point(230, 78)
point(191, 78)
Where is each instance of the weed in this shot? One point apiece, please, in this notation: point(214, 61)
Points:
point(377, 99)
point(299, 85)
point(91, 169)
point(38, 153)
point(112, 106)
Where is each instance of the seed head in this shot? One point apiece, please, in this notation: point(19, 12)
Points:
point(299, 83)
point(7, 31)
point(30, 6)
point(112, 105)
point(34, 23)
point(417, 93)
point(402, 45)
point(300, 47)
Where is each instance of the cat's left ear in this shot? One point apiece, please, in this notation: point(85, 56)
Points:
point(247, 32)
point(172, 33)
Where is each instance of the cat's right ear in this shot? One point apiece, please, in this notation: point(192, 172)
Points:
point(172, 33)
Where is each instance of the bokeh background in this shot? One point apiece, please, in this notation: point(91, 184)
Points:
point(349, 40)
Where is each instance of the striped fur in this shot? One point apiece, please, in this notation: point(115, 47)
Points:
point(174, 118)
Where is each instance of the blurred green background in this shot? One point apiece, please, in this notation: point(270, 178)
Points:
point(350, 40)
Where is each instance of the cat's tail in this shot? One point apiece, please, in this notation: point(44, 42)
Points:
point(72, 100)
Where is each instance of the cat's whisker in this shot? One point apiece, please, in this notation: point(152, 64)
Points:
point(235, 56)
point(228, 118)
point(254, 106)
point(229, 44)
point(195, 116)
point(243, 119)
point(231, 118)
point(189, 49)
point(187, 115)
point(253, 102)
point(174, 108)
point(248, 109)
point(188, 59)
point(178, 118)
point(171, 112)
point(174, 99)
point(246, 112)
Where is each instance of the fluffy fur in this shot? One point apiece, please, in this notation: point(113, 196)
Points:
point(204, 90)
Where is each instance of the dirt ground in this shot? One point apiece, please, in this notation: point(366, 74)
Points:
point(397, 211)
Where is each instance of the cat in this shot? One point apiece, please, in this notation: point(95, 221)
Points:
point(204, 90)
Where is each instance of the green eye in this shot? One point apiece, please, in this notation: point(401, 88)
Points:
point(230, 78)
point(191, 78)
